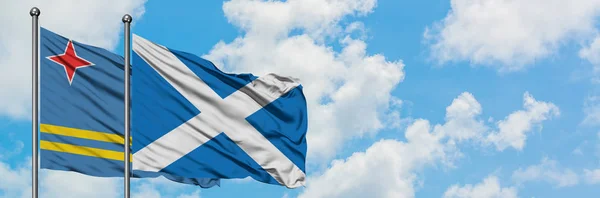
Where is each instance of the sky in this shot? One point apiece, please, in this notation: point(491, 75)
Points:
point(431, 98)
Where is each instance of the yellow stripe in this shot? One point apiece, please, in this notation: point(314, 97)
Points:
point(80, 133)
point(82, 150)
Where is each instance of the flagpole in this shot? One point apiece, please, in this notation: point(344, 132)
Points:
point(127, 23)
point(35, 13)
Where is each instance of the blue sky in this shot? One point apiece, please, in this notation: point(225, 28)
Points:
point(508, 94)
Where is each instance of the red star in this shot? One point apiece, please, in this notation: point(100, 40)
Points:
point(70, 61)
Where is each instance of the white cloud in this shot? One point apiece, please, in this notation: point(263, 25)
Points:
point(549, 171)
point(591, 53)
point(195, 194)
point(591, 109)
point(461, 123)
point(386, 169)
point(146, 191)
point(348, 91)
point(488, 188)
point(93, 22)
point(242, 180)
point(514, 128)
point(62, 184)
point(277, 18)
point(591, 176)
point(15, 181)
point(512, 33)
point(162, 187)
point(389, 167)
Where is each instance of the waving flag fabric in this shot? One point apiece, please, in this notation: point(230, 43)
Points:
point(82, 110)
point(81, 107)
point(192, 120)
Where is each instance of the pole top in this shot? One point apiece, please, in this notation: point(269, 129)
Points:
point(34, 11)
point(127, 18)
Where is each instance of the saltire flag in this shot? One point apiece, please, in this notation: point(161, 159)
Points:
point(82, 110)
point(190, 119)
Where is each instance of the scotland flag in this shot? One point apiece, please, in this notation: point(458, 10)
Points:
point(192, 120)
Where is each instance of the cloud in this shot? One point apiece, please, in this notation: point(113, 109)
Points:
point(242, 180)
point(488, 188)
point(74, 185)
point(461, 123)
point(277, 18)
point(348, 90)
point(591, 53)
point(161, 187)
point(15, 181)
point(509, 34)
point(591, 110)
point(93, 22)
point(389, 168)
point(195, 194)
point(514, 128)
point(591, 176)
point(386, 169)
point(549, 171)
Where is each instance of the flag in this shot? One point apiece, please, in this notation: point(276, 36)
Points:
point(82, 110)
point(190, 119)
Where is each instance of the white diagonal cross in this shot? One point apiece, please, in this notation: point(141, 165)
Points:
point(218, 115)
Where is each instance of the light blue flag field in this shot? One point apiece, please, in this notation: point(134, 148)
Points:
point(192, 120)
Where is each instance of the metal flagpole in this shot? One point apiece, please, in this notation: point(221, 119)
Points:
point(35, 13)
point(127, 22)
